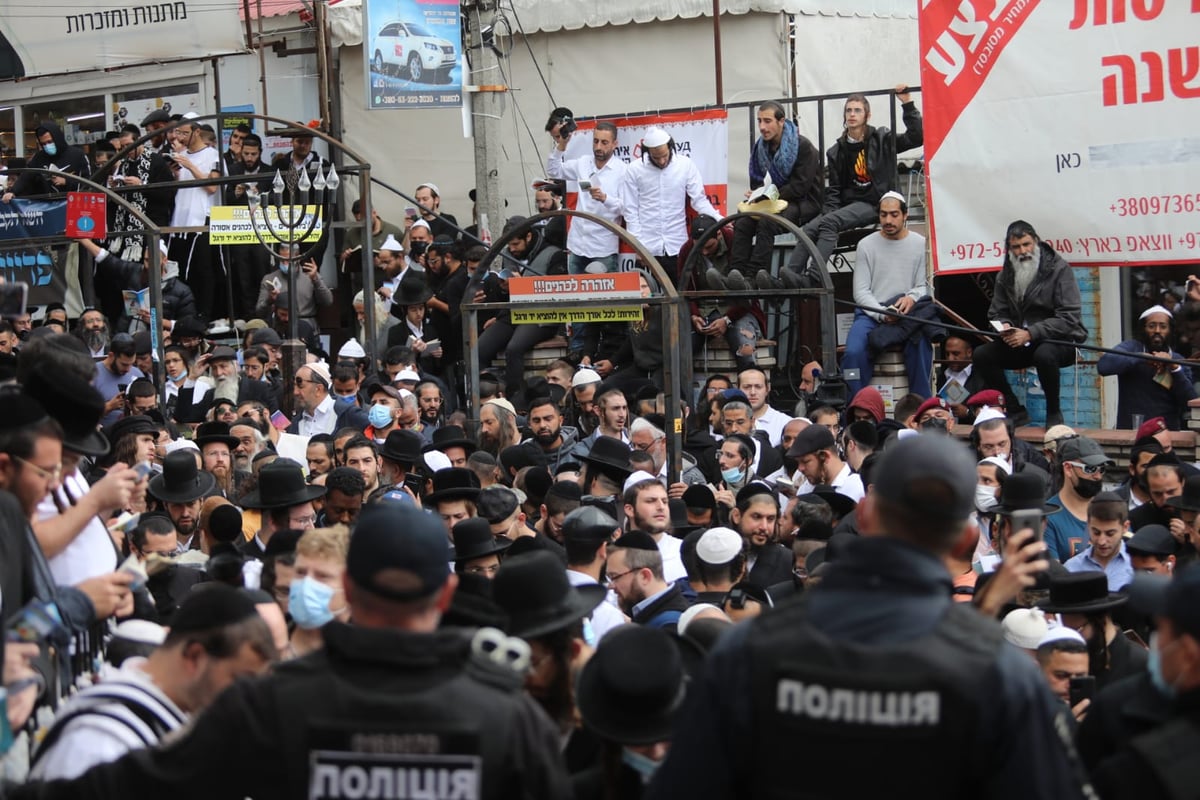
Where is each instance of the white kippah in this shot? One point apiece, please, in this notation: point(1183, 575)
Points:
point(1154, 310)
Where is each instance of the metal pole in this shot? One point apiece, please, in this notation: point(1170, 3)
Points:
point(368, 268)
point(486, 110)
point(320, 9)
point(717, 51)
point(262, 63)
point(222, 251)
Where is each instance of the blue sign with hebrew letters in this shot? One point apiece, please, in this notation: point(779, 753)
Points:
point(32, 219)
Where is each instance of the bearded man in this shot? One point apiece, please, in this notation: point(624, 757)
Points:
point(1150, 388)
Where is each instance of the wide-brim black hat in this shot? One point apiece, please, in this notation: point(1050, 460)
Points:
point(215, 433)
point(449, 436)
point(633, 686)
point(1081, 593)
point(1189, 500)
point(75, 404)
point(455, 483)
point(281, 484)
point(133, 424)
point(472, 605)
point(402, 446)
point(608, 453)
point(412, 291)
point(181, 481)
point(473, 538)
point(534, 591)
point(1024, 491)
point(840, 503)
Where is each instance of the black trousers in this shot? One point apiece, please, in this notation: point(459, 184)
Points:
point(992, 359)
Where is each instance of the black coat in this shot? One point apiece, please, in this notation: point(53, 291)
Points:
point(69, 159)
point(1051, 307)
point(773, 565)
point(881, 158)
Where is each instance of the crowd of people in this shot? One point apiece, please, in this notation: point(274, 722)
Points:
point(389, 592)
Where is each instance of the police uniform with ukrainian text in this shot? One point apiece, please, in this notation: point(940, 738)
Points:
point(879, 680)
point(377, 713)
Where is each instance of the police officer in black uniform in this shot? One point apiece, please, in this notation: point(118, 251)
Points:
point(877, 676)
point(390, 708)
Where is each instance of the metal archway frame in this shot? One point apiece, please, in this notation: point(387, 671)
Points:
point(152, 232)
point(824, 294)
point(672, 309)
point(360, 167)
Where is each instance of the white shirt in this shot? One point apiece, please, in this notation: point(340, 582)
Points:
point(91, 739)
point(772, 421)
point(849, 483)
point(92, 552)
point(322, 420)
point(654, 203)
point(193, 203)
point(605, 616)
point(672, 559)
point(586, 238)
point(962, 376)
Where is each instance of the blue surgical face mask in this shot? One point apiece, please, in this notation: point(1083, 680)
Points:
point(732, 475)
point(644, 766)
point(1154, 667)
point(380, 416)
point(50, 149)
point(283, 267)
point(351, 397)
point(308, 602)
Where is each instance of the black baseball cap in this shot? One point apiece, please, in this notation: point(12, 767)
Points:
point(1152, 540)
point(398, 552)
point(918, 459)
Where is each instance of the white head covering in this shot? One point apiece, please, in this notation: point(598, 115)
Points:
point(655, 137)
point(1025, 627)
point(637, 477)
point(987, 414)
point(352, 349)
point(392, 245)
point(1154, 310)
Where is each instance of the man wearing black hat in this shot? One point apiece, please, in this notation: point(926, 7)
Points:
point(816, 454)
point(216, 445)
point(216, 636)
point(1140, 733)
point(1086, 604)
point(453, 442)
point(606, 466)
point(222, 364)
point(428, 707)
point(635, 574)
point(285, 499)
point(455, 491)
point(398, 459)
point(878, 659)
point(180, 489)
point(1153, 550)
point(548, 612)
point(587, 533)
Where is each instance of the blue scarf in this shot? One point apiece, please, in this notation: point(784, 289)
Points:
point(780, 165)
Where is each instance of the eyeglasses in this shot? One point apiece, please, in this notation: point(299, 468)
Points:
point(303, 522)
point(52, 475)
point(1089, 470)
point(644, 447)
point(615, 578)
point(301, 381)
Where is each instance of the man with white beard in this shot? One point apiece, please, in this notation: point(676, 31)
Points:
point(1036, 299)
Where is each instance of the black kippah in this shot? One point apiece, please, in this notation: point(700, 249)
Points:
point(636, 540)
point(215, 607)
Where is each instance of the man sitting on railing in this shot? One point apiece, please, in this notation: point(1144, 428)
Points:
point(861, 169)
point(1151, 388)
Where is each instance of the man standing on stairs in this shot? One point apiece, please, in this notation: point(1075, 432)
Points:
point(1036, 299)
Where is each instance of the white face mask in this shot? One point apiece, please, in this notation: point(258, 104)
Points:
point(985, 497)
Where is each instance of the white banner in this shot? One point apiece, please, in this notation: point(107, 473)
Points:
point(1078, 117)
point(56, 39)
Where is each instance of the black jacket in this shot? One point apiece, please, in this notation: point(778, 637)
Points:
point(351, 705)
point(117, 274)
point(663, 612)
point(881, 158)
point(773, 565)
point(1051, 306)
point(1123, 710)
point(1155, 755)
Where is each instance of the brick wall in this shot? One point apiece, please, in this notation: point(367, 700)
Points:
point(1081, 389)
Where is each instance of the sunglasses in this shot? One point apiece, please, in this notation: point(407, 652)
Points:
point(1098, 469)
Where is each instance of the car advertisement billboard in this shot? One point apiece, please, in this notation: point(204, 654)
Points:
point(413, 53)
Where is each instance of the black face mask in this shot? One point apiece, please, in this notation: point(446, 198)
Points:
point(1087, 488)
point(934, 425)
point(790, 464)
